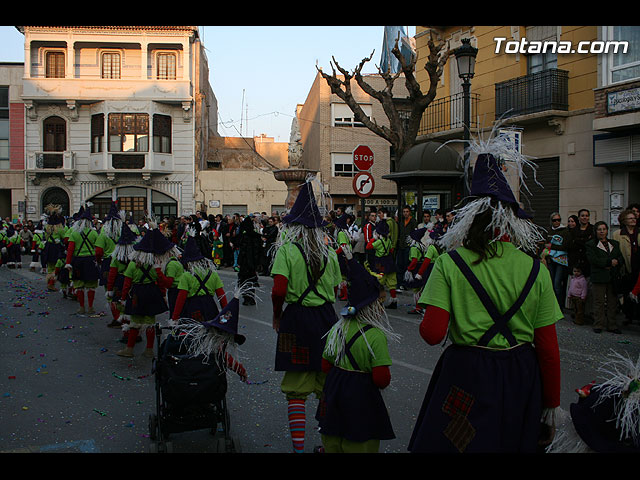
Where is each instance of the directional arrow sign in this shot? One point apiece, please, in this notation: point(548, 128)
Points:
point(363, 184)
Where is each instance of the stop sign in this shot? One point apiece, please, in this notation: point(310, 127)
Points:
point(363, 157)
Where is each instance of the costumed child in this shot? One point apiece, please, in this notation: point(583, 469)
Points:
point(12, 239)
point(418, 241)
point(382, 260)
point(217, 248)
point(121, 256)
point(432, 253)
point(81, 259)
point(198, 286)
point(3, 242)
point(143, 297)
point(498, 382)
point(606, 417)
point(306, 274)
point(105, 244)
point(343, 241)
point(53, 243)
point(217, 338)
point(169, 279)
point(37, 244)
point(352, 415)
point(63, 275)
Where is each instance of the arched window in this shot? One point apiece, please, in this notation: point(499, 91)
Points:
point(56, 196)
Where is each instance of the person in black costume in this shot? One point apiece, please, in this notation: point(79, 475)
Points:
point(249, 248)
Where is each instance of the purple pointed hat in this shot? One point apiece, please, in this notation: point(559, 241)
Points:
point(113, 211)
point(382, 228)
point(363, 288)
point(305, 209)
point(488, 180)
point(191, 251)
point(227, 320)
point(418, 233)
point(341, 222)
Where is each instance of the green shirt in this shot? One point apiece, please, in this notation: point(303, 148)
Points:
point(503, 277)
point(363, 357)
point(290, 263)
point(190, 283)
point(382, 246)
point(432, 253)
point(174, 269)
point(415, 252)
point(136, 275)
point(86, 248)
point(342, 238)
point(119, 265)
point(106, 243)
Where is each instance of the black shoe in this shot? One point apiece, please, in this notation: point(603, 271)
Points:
point(393, 305)
point(615, 330)
point(597, 330)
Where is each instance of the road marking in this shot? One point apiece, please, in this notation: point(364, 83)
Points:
point(82, 446)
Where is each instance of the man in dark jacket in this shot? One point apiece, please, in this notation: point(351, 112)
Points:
point(249, 245)
point(406, 225)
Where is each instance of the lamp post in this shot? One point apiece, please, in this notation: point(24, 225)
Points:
point(466, 60)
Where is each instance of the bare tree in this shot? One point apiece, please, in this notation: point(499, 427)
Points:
point(402, 135)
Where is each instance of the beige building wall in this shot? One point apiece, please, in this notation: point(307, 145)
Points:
point(321, 139)
point(567, 135)
point(240, 178)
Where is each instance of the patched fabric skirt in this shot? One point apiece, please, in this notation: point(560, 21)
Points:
point(105, 266)
point(352, 407)
point(300, 337)
point(481, 401)
point(200, 307)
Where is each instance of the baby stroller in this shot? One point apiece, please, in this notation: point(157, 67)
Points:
point(190, 395)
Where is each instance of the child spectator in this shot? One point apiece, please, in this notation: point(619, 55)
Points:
point(577, 294)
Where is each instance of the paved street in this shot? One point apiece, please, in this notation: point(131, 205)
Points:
point(63, 388)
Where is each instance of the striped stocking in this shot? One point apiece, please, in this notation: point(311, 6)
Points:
point(297, 421)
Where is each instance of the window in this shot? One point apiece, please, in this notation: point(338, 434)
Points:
point(4, 102)
point(162, 133)
point(97, 132)
point(54, 64)
point(166, 66)
point(111, 65)
point(342, 165)
point(4, 128)
point(624, 66)
point(542, 61)
point(344, 117)
point(128, 132)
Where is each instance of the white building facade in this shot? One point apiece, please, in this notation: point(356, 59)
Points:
point(111, 114)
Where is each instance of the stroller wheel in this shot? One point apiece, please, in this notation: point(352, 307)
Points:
point(153, 427)
point(227, 445)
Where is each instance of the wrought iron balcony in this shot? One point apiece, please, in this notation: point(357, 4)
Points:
point(447, 113)
point(538, 92)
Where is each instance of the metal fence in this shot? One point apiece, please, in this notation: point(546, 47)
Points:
point(447, 113)
point(545, 90)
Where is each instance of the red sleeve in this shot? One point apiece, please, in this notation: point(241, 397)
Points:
point(126, 287)
point(163, 281)
point(339, 250)
point(326, 365)
point(177, 310)
point(381, 376)
point(433, 327)
point(636, 289)
point(370, 244)
point(424, 266)
point(546, 342)
point(278, 293)
point(99, 254)
point(222, 297)
point(111, 279)
point(70, 249)
point(235, 366)
point(413, 264)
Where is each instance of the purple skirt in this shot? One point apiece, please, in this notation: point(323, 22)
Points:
point(200, 307)
point(145, 299)
point(301, 337)
point(384, 264)
point(481, 401)
point(105, 266)
point(85, 269)
point(352, 407)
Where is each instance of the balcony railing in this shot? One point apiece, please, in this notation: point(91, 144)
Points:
point(447, 113)
point(48, 161)
point(538, 92)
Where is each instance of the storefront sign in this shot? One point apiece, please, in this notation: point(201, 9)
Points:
point(623, 100)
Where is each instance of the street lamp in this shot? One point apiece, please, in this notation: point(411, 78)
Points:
point(466, 60)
